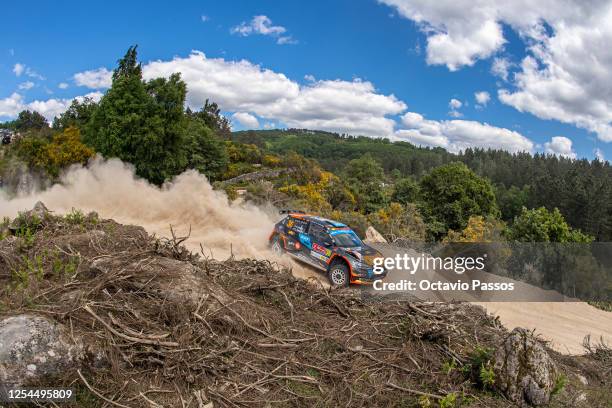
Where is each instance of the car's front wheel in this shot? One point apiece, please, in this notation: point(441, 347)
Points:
point(338, 275)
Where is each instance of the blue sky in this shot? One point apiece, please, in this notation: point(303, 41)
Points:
point(387, 70)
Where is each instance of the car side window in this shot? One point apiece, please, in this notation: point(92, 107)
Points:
point(297, 224)
point(318, 233)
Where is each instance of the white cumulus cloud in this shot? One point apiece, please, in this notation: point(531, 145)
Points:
point(18, 69)
point(258, 25)
point(62, 85)
point(100, 78)
point(599, 154)
point(567, 76)
point(11, 106)
point(246, 120)
point(455, 104)
point(482, 98)
point(566, 73)
point(286, 39)
point(262, 25)
point(50, 108)
point(501, 67)
point(458, 135)
point(561, 146)
point(26, 85)
point(240, 86)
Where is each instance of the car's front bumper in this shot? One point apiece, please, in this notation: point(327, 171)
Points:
point(366, 276)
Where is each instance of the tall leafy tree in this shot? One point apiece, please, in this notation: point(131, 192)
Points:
point(542, 225)
point(405, 191)
point(365, 176)
point(511, 200)
point(78, 114)
point(453, 193)
point(141, 123)
point(48, 157)
point(211, 115)
point(204, 152)
point(30, 120)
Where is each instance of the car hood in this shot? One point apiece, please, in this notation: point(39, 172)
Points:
point(363, 253)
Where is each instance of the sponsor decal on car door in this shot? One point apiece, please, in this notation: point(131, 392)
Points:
point(321, 253)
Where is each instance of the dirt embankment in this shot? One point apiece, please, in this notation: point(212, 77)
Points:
point(159, 326)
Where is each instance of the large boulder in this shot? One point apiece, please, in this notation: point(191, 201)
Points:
point(33, 348)
point(372, 236)
point(524, 371)
point(36, 215)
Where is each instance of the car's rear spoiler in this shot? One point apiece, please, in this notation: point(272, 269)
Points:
point(289, 211)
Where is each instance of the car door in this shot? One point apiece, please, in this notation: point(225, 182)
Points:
point(321, 248)
point(299, 233)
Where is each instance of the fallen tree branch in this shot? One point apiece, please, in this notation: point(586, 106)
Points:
point(425, 394)
point(125, 336)
point(98, 394)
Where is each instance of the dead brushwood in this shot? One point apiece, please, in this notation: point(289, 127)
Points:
point(167, 327)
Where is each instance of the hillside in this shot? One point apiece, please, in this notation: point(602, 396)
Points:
point(106, 304)
point(580, 189)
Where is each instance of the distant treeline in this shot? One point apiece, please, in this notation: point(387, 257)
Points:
point(580, 189)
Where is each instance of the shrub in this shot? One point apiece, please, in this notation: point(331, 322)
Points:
point(449, 401)
point(560, 383)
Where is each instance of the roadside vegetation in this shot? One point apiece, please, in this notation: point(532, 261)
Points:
point(408, 193)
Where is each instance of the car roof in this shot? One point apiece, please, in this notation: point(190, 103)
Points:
point(324, 222)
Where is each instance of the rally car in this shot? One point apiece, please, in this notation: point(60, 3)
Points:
point(327, 245)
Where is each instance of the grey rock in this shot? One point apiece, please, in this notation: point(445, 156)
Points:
point(373, 236)
point(39, 212)
point(580, 398)
point(524, 371)
point(34, 348)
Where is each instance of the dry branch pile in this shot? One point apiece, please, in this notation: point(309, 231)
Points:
point(165, 327)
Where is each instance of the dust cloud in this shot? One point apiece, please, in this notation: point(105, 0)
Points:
point(111, 188)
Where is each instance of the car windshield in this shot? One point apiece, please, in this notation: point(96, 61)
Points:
point(347, 239)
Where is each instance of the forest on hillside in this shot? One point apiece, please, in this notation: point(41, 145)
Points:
point(580, 189)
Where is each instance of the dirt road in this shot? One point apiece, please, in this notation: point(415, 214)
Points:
point(564, 324)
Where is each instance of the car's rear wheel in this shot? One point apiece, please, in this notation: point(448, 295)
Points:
point(277, 246)
point(338, 275)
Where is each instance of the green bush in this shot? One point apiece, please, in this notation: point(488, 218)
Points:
point(560, 383)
